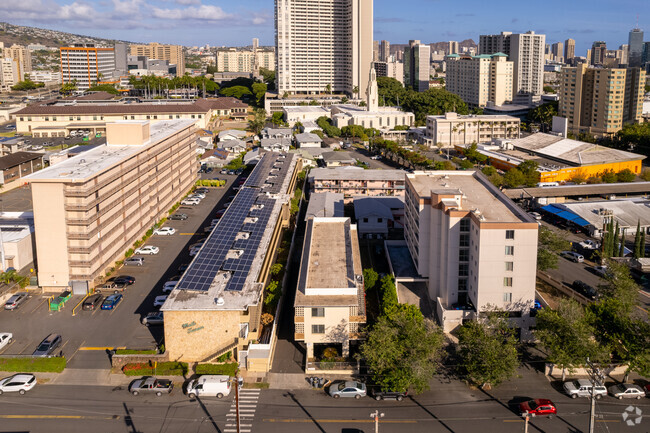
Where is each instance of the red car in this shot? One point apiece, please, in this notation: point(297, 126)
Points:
point(538, 407)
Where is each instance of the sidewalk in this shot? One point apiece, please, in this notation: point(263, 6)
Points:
point(298, 380)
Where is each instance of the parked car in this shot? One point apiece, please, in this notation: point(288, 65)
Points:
point(48, 345)
point(15, 301)
point(110, 303)
point(169, 286)
point(202, 190)
point(5, 339)
point(111, 285)
point(209, 228)
point(198, 195)
point(584, 289)
point(134, 261)
point(164, 231)
point(124, 279)
point(538, 407)
point(582, 388)
point(190, 202)
point(178, 216)
point(92, 301)
point(151, 385)
point(147, 250)
point(376, 157)
point(535, 215)
point(20, 383)
point(600, 270)
point(379, 394)
point(153, 319)
point(573, 256)
point(159, 300)
point(589, 244)
point(626, 390)
point(182, 268)
point(347, 389)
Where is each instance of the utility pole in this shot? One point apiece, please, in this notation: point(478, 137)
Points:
point(596, 377)
point(376, 415)
point(526, 418)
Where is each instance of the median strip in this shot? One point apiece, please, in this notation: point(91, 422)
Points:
point(102, 348)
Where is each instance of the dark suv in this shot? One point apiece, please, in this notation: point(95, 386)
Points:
point(48, 346)
point(585, 289)
point(378, 394)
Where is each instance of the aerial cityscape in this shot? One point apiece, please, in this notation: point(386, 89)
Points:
point(346, 216)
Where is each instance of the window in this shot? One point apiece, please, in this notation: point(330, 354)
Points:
point(510, 266)
point(380, 220)
point(365, 220)
point(463, 269)
point(464, 225)
point(317, 329)
point(507, 297)
point(318, 312)
point(507, 281)
point(510, 234)
point(463, 255)
point(510, 250)
point(464, 240)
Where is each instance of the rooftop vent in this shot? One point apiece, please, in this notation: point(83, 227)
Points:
point(220, 301)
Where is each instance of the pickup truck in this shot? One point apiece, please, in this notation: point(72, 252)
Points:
point(589, 244)
point(151, 385)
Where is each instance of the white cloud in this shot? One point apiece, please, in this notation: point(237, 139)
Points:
point(203, 12)
point(127, 7)
point(188, 2)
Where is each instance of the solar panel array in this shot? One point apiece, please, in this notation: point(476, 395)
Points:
point(212, 257)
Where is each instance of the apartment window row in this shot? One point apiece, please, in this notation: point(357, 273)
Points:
point(318, 312)
point(317, 329)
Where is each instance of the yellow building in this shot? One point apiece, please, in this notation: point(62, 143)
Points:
point(600, 101)
point(173, 53)
point(559, 159)
point(23, 56)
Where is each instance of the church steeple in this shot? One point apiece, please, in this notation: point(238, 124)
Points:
point(372, 93)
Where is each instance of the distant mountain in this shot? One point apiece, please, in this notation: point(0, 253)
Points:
point(436, 46)
point(23, 35)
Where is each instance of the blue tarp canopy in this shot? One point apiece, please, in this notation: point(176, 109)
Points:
point(566, 215)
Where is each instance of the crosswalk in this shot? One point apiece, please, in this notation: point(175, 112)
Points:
point(248, 399)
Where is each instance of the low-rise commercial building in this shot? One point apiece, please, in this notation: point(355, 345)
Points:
point(377, 216)
point(17, 165)
point(451, 129)
point(91, 208)
point(17, 240)
point(56, 118)
point(307, 139)
point(353, 181)
point(560, 159)
point(329, 307)
point(304, 113)
point(477, 249)
point(216, 306)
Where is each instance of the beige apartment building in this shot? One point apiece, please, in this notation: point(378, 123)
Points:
point(323, 43)
point(329, 306)
point(600, 101)
point(569, 50)
point(352, 181)
point(91, 208)
point(477, 249)
point(58, 118)
point(480, 79)
point(173, 53)
point(452, 129)
point(9, 73)
point(23, 56)
point(238, 60)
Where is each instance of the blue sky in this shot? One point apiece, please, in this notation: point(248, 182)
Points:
point(235, 22)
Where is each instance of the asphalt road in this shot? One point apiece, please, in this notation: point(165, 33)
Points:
point(88, 334)
point(450, 406)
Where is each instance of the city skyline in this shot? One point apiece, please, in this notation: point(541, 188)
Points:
point(217, 22)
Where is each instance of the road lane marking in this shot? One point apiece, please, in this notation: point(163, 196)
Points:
point(294, 420)
point(189, 234)
point(58, 417)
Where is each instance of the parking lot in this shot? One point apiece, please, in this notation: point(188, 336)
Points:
point(88, 334)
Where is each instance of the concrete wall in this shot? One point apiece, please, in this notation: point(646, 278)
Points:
point(191, 336)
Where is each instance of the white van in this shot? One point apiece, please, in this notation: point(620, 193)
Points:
point(209, 386)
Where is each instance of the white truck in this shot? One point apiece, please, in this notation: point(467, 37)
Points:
point(209, 386)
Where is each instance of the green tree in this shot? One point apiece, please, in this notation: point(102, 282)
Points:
point(389, 295)
point(108, 88)
point(488, 170)
point(637, 240)
point(256, 124)
point(487, 350)
point(325, 124)
point(514, 178)
point(549, 244)
point(268, 77)
point(27, 84)
point(608, 176)
point(567, 335)
point(403, 351)
point(277, 119)
point(529, 169)
point(259, 90)
point(68, 88)
point(543, 114)
point(370, 278)
point(473, 154)
point(236, 91)
point(625, 175)
point(549, 89)
point(355, 91)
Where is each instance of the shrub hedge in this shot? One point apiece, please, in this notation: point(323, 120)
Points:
point(31, 365)
point(228, 369)
point(170, 368)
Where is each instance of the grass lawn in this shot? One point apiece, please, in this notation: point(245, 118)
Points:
point(160, 369)
point(228, 369)
point(8, 134)
point(135, 352)
point(31, 365)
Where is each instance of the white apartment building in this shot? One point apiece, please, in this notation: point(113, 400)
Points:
point(477, 249)
point(329, 305)
point(9, 73)
point(236, 60)
point(23, 56)
point(47, 77)
point(480, 79)
point(417, 66)
point(451, 129)
point(86, 64)
point(526, 51)
point(323, 43)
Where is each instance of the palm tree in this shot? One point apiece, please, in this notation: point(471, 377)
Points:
point(328, 89)
point(355, 91)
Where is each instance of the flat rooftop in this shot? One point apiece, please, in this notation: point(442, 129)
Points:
point(477, 193)
point(452, 117)
point(330, 264)
point(88, 164)
point(305, 109)
point(223, 276)
point(580, 190)
point(355, 173)
point(625, 212)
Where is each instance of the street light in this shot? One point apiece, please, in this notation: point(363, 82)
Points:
point(376, 415)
